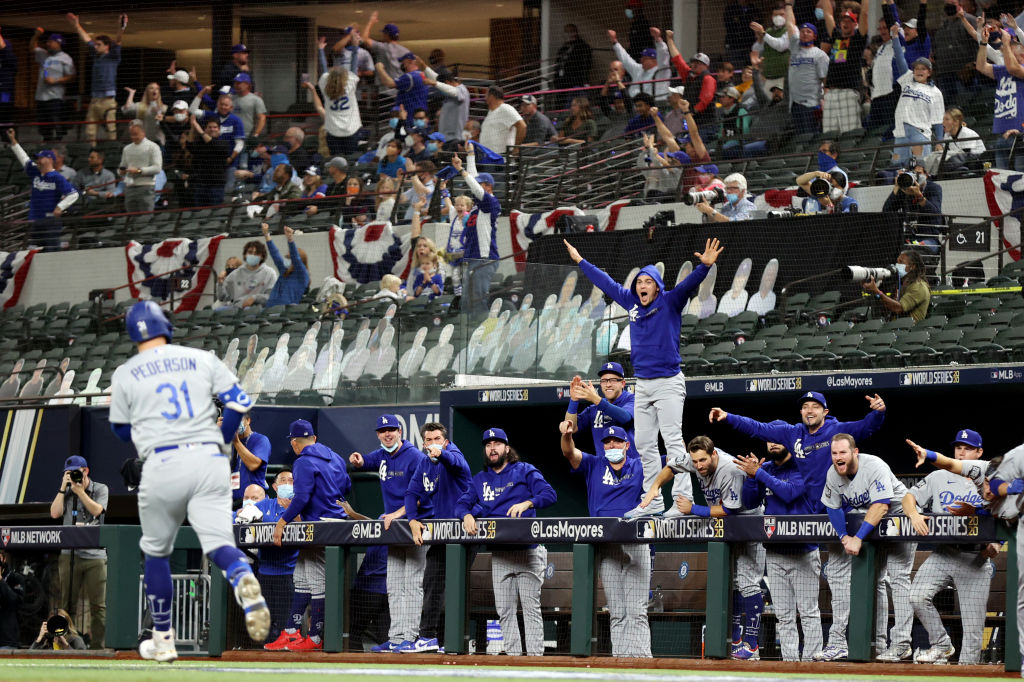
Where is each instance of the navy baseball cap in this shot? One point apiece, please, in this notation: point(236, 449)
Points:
point(243, 78)
point(495, 434)
point(649, 52)
point(485, 177)
point(615, 432)
point(815, 396)
point(391, 30)
point(810, 27)
point(681, 157)
point(611, 368)
point(968, 437)
point(388, 421)
point(407, 55)
point(300, 428)
point(437, 137)
point(708, 169)
point(240, 47)
point(78, 462)
point(56, 37)
point(47, 153)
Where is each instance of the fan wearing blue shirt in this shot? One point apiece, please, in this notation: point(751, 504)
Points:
point(509, 487)
point(442, 478)
point(615, 486)
point(480, 235)
point(52, 194)
point(411, 85)
point(397, 461)
point(793, 569)
point(249, 464)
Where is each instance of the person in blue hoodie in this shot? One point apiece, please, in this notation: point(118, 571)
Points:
point(480, 236)
point(442, 478)
point(397, 461)
point(293, 280)
point(793, 569)
point(321, 481)
point(655, 318)
point(613, 406)
point(615, 484)
point(277, 566)
point(509, 487)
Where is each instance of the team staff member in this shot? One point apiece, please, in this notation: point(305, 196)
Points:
point(320, 483)
point(614, 486)
point(792, 568)
point(51, 195)
point(865, 483)
point(810, 440)
point(250, 453)
point(721, 480)
point(655, 319)
point(443, 477)
point(612, 407)
point(508, 487)
point(161, 401)
point(966, 566)
point(397, 460)
point(1009, 480)
point(276, 567)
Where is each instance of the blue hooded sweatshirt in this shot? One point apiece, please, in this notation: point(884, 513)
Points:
point(782, 489)
point(320, 481)
point(492, 494)
point(597, 419)
point(396, 472)
point(812, 452)
point(653, 328)
point(436, 486)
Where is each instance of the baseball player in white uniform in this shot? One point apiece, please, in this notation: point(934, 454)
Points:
point(721, 480)
point(954, 489)
point(1005, 487)
point(162, 401)
point(863, 482)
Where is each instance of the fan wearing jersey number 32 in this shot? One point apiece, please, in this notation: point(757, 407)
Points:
point(162, 401)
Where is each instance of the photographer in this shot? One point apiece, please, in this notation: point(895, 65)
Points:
point(827, 192)
point(736, 206)
point(11, 593)
point(80, 501)
point(58, 633)
point(919, 201)
point(913, 294)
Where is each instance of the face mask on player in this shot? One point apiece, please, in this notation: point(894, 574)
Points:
point(433, 451)
point(248, 503)
point(285, 491)
point(391, 448)
point(615, 455)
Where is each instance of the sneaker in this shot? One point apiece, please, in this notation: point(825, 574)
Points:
point(159, 648)
point(673, 512)
point(422, 645)
point(257, 615)
point(734, 647)
point(832, 653)
point(385, 648)
point(304, 644)
point(282, 641)
point(895, 654)
point(655, 508)
point(743, 652)
point(937, 654)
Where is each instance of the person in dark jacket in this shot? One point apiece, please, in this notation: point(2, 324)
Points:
point(572, 62)
point(771, 123)
point(11, 593)
point(8, 74)
point(321, 482)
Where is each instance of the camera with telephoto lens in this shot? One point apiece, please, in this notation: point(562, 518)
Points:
point(859, 273)
point(715, 195)
point(904, 180)
point(820, 187)
point(75, 475)
point(56, 625)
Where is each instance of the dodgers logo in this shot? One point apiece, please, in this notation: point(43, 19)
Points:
point(382, 471)
point(5, 536)
point(769, 526)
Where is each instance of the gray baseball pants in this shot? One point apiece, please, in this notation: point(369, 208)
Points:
point(793, 581)
point(969, 573)
point(310, 576)
point(748, 567)
point(517, 577)
point(658, 407)
point(626, 574)
point(406, 564)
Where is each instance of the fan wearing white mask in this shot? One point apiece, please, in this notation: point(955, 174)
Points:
point(834, 200)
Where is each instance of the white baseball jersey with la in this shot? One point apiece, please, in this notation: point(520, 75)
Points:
point(723, 486)
point(873, 482)
point(165, 393)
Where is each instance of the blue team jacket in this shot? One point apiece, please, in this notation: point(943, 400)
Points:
point(597, 418)
point(275, 560)
point(492, 494)
point(436, 486)
point(783, 491)
point(396, 472)
point(812, 452)
point(320, 481)
point(654, 328)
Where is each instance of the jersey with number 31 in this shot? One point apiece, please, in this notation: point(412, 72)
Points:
point(166, 394)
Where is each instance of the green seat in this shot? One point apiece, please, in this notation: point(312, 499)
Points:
point(933, 322)
point(911, 340)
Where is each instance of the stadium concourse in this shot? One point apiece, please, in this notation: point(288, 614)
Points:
point(393, 230)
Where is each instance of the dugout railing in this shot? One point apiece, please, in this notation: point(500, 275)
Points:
point(715, 536)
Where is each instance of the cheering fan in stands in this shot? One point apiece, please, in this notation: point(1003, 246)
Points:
point(655, 319)
point(771, 124)
point(920, 109)
point(480, 238)
point(384, 203)
point(106, 56)
point(653, 65)
point(700, 86)
point(663, 178)
point(341, 115)
point(1009, 100)
point(913, 294)
point(827, 192)
point(293, 280)
point(646, 113)
point(239, 64)
point(693, 146)
point(736, 206)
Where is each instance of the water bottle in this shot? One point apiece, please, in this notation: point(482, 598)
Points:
point(495, 642)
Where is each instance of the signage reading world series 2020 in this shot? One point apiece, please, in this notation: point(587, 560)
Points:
point(768, 529)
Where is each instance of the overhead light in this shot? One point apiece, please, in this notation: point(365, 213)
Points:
point(88, 23)
point(201, 17)
point(159, 42)
point(359, 11)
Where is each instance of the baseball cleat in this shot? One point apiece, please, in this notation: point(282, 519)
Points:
point(305, 644)
point(160, 648)
point(420, 646)
point(895, 654)
point(282, 641)
point(655, 508)
point(386, 648)
point(832, 653)
point(257, 615)
point(744, 653)
point(937, 654)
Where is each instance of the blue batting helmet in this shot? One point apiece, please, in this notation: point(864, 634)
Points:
point(145, 320)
